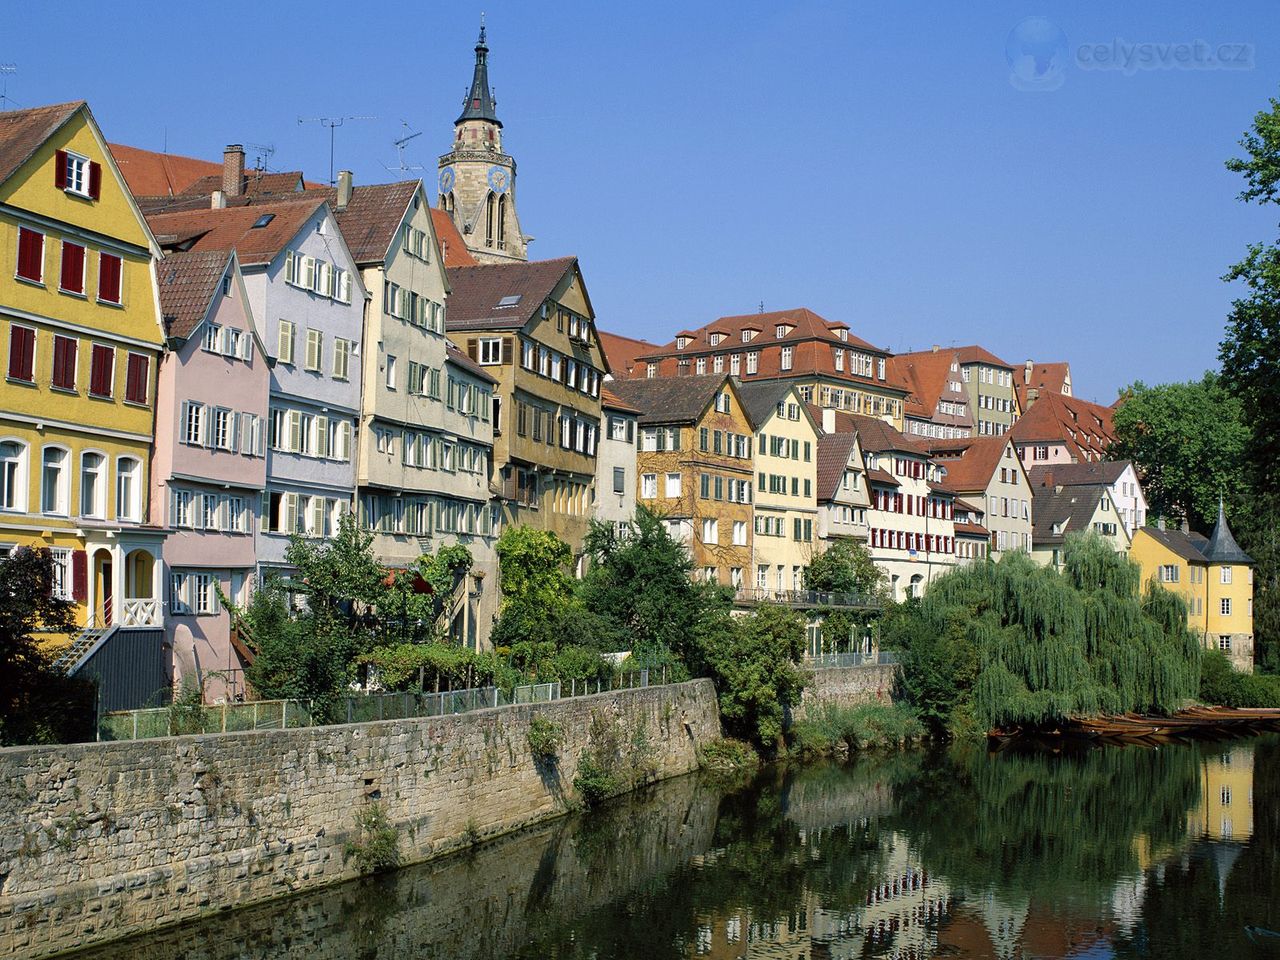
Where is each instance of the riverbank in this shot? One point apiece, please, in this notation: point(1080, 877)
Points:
point(108, 839)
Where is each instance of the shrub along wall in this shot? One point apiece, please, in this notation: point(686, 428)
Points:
point(104, 840)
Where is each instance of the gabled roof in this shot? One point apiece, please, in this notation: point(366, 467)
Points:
point(623, 353)
point(873, 433)
point(925, 374)
point(372, 217)
point(807, 325)
point(23, 131)
point(151, 174)
point(233, 228)
point(976, 354)
point(972, 471)
point(453, 249)
point(461, 360)
point(834, 451)
point(760, 399)
point(1180, 544)
point(669, 399)
point(1075, 474)
point(1072, 506)
point(611, 401)
point(188, 281)
point(1222, 546)
point(1085, 428)
point(1043, 378)
point(256, 183)
point(477, 290)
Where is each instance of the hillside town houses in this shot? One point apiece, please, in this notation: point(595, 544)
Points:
point(203, 361)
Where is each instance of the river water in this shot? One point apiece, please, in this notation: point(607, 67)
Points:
point(1118, 852)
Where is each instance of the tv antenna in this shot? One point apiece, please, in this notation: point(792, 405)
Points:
point(264, 152)
point(6, 71)
point(399, 145)
point(332, 123)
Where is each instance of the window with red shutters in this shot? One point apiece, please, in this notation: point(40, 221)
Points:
point(22, 354)
point(64, 362)
point(60, 169)
point(135, 387)
point(95, 180)
point(72, 267)
point(109, 267)
point(30, 255)
point(102, 370)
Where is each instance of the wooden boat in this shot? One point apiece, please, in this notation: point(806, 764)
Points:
point(1146, 729)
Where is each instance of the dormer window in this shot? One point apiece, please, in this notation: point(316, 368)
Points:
point(715, 338)
point(747, 335)
point(781, 330)
point(681, 342)
point(509, 301)
point(843, 334)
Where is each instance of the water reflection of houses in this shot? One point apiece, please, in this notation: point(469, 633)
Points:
point(897, 919)
point(1225, 811)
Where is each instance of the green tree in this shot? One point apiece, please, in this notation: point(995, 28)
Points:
point(846, 567)
point(1250, 357)
point(38, 704)
point(644, 583)
point(1188, 442)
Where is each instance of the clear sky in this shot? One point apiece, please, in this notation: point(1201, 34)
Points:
point(872, 161)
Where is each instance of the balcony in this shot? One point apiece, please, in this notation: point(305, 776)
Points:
point(141, 612)
point(803, 599)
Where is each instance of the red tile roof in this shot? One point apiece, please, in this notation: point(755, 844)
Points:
point(669, 399)
point(976, 354)
point(874, 434)
point(972, 530)
point(452, 247)
point(623, 354)
point(151, 174)
point(806, 324)
point(1045, 378)
point(1085, 428)
point(926, 375)
point(257, 183)
point(476, 291)
point(611, 401)
point(372, 218)
point(460, 359)
point(23, 131)
point(972, 471)
point(834, 451)
point(188, 282)
point(232, 228)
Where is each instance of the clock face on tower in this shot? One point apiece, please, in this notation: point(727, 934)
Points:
point(446, 180)
point(499, 180)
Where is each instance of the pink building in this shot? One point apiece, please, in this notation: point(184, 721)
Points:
point(209, 467)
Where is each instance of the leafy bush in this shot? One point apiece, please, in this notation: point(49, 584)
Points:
point(1222, 685)
point(187, 713)
point(544, 737)
point(594, 782)
point(829, 727)
point(729, 756)
point(376, 845)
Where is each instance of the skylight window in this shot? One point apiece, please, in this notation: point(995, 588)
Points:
point(263, 220)
point(510, 300)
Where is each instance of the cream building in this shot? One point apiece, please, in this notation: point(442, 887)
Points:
point(843, 498)
point(987, 472)
point(616, 462)
point(786, 480)
point(1118, 476)
point(1058, 512)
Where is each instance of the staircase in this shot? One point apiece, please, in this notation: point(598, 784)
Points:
point(89, 639)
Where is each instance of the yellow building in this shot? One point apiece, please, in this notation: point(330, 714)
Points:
point(1214, 577)
point(81, 340)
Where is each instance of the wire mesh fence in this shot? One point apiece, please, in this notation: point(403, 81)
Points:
point(410, 704)
point(822, 660)
point(181, 719)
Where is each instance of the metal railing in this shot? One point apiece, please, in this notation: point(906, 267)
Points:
point(211, 718)
point(880, 658)
point(369, 707)
point(802, 598)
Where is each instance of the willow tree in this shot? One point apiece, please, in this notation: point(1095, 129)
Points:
point(1016, 644)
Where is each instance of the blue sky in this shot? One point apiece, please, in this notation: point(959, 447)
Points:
point(870, 161)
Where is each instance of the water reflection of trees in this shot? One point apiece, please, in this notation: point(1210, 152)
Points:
point(1045, 823)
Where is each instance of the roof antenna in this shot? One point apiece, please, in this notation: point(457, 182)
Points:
point(264, 151)
point(399, 145)
point(332, 123)
point(761, 306)
point(6, 71)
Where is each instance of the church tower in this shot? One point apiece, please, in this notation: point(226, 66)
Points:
point(477, 185)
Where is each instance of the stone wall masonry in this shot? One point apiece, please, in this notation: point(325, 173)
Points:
point(104, 840)
point(848, 686)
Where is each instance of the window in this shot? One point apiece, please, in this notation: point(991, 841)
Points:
point(204, 597)
point(93, 485)
point(1169, 573)
point(490, 351)
point(739, 533)
point(22, 354)
point(341, 359)
point(71, 279)
point(30, 255)
point(128, 489)
point(619, 479)
point(64, 362)
point(13, 476)
point(63, 587)
point(315, 350)
point(102, 370)
point(54, 481)
point(76, 174)
point(136, 383)
point(1225, 606)
point(1226, 574)
point(284, 346)
point(786, 358)
point(649, 485)
point(110, 268)
point(672, 488)
point(753, 362)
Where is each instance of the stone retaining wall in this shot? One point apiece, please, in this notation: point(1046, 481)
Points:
point(848, 686)
point(100, 841)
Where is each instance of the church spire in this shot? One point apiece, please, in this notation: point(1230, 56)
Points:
point(480, 104)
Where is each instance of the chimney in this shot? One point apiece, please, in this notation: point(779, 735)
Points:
point(218, 200)
point(1186, 528)
point(936, 348)
point(1026, 371)
point(233, 170)
point(1160, 523)
point(828, 420)
point(344, 189)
